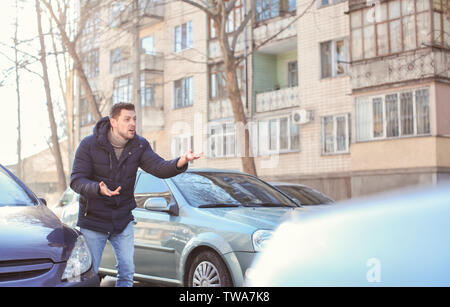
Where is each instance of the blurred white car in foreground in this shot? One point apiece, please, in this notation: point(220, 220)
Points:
point(398, 239)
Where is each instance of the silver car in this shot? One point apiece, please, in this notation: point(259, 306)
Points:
point(200, 228)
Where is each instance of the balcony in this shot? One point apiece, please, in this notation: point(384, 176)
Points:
point(150, 12)
point(149, 62)
point(222, 108)
point(401, 68)
point(278, 99)
point(271, 27)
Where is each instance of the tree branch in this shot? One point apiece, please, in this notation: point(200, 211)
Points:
point(240, 29)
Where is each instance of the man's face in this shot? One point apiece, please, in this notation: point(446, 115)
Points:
point(125, 124)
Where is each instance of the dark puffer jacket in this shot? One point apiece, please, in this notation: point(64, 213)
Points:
point(96, 161)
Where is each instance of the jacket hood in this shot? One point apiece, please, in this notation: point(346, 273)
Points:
point(101, 129)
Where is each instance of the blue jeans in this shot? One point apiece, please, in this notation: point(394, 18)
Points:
point(123, 246)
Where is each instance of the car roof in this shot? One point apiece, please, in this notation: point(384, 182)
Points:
point(208, 170)
point(281, 183)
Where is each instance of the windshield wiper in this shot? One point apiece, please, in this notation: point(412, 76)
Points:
point(217, 205)
point(267, 205)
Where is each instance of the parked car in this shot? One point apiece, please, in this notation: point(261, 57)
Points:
point(399, 239)
point(200, 228)
point(68, 197)
point(36, 249)
point(305, 195)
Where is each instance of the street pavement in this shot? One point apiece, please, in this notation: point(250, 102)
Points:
point(110, 281)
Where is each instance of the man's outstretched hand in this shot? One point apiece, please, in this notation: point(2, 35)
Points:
point(187, 157)
point(104, 190)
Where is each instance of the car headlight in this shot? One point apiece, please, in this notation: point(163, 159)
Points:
point(260, 238)
point(79, 262)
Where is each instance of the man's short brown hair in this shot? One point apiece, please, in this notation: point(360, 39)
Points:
point(117, 108)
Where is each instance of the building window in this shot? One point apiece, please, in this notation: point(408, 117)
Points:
point(333, 56)
point(335, 134)
point(86, 117)
point(183, 36)
point(148, 91)
point(391, 27)
point(91, 64)
point(181, 144)
point(183, 92)
point(118, 59)
point(292, 74)
point(393, 115)
point(327, 2)
point(441, 22)
point(266, 9)
point(122, 89)
point(117, 13)
point(148, 45)
point(278, 135)
point(217, 82)
point(222, 140)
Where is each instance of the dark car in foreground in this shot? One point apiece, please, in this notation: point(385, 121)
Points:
point(395, 239)
point(305, 195)
point(200, 228)
point(36, 249)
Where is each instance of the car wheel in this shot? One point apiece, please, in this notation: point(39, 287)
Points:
point(208, 270)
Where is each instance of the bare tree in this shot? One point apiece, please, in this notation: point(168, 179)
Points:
point(59, 13)
point(16, 66)
point(53, 127)
point(218, 11)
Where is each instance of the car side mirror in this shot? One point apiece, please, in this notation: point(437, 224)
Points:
point(43, 201)
point(160, 204)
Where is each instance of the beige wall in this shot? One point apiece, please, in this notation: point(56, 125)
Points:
point(442, 92)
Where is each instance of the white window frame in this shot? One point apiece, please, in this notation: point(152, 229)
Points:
point(330, 2)
point(220, 139)
point(187, 92)
point(371, 136)
point(333, 59)
point(178, 37)
point(265, 135)
point(181, 144)
point(346, 116)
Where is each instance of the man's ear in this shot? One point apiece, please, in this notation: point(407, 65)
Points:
point(113, 122)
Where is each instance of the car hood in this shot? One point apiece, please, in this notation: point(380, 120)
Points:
point(33, 233)
point(260, 217)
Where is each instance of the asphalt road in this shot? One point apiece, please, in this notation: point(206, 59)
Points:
point(110, 281)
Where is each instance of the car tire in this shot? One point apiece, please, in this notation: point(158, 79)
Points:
point(208, 270)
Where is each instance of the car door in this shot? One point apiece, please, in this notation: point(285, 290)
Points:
point(154, 231)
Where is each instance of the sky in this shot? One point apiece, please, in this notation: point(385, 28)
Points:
point(34, 116)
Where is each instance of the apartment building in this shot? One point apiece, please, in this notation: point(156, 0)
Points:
point(350, 97)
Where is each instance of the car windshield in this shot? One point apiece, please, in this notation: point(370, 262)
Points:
point(208, 189)
point(11, 193)
point(305, 195)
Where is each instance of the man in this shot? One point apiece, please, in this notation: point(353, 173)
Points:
point(104, 174)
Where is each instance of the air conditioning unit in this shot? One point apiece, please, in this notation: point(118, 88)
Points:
point(302, 116)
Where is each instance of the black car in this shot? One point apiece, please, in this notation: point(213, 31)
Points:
point(306, 196)
point(36, 249)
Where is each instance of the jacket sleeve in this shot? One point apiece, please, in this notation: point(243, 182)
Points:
point(152, 163)
point(82, 171)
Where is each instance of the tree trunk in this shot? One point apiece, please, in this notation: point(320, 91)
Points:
point(19, 129)
point(55, 143)
point(77, 63)
point(234, 94)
